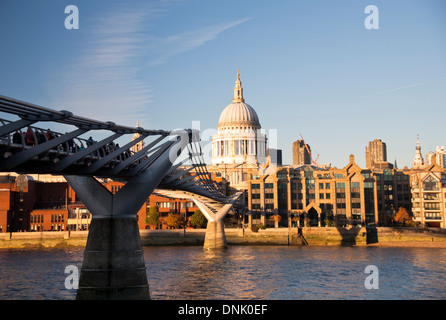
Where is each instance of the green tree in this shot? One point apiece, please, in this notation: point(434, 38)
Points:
point(153, 218)
point(198, 219)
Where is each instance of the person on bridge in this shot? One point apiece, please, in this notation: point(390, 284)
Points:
point(17, 137)
point(29, 137)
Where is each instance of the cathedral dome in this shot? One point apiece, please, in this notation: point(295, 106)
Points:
point(238, 113)
point(239, 140)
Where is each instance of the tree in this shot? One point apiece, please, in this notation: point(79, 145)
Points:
point(153, 218)
point(173, 220)
point(402, 216)
point(198, 219)
point(229, 191)
point(277, 219)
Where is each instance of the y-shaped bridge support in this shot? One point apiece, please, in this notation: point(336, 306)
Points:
point(215, 237)
point(113, 265)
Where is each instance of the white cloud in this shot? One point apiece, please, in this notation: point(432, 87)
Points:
point(103, 81)
point(404, 87)
point(173, 45)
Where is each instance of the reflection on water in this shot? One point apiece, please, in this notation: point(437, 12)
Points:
point(281, 273)
point(253, 272)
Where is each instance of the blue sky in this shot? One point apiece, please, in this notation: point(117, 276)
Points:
point(306, 66)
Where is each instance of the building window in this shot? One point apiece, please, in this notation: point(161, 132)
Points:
point(430, 184)
point(321, 186)
point(340, 185)
point(432, 215)
point(255, 186)
point(355, 184)
point(309, 183)
point(432, 205)
point(429, 196)
point(388, 175)
point(327, 186)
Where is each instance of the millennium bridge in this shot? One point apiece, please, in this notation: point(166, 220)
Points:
point(113, 266)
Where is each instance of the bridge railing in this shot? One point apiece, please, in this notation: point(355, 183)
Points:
point(21, 140)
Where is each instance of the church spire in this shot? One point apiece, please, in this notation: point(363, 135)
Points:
point(418, 161)
point(238, 90)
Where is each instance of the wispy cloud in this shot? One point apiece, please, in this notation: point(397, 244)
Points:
point(170, 46)
point(404, 87)
point(104, 81)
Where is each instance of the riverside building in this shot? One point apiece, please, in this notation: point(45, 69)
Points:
point(314, 196)
point(428, 189)
point(308, 195)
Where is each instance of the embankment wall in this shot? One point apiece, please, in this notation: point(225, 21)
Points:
point(395, 237)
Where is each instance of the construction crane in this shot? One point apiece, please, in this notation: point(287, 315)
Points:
point(309, 152)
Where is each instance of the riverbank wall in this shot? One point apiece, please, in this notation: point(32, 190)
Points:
point(385, 237)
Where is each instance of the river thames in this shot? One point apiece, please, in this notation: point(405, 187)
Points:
point(244, 272)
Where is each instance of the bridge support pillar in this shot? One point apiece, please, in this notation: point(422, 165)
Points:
point(215, 237)
point(113, 267)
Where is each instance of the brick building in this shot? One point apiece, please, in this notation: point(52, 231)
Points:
point(315, 196)
point(48, 203)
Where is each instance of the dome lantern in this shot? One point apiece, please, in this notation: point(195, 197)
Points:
point(239, 113)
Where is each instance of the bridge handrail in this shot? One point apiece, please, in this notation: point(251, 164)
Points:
point(33, 112)
point(18, 141)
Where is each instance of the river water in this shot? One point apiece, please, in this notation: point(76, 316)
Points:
point(245, 272)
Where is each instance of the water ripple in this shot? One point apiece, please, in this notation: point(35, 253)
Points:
point(253, 272)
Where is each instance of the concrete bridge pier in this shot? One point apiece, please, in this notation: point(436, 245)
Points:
point(215, 237)
point(113, 267)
